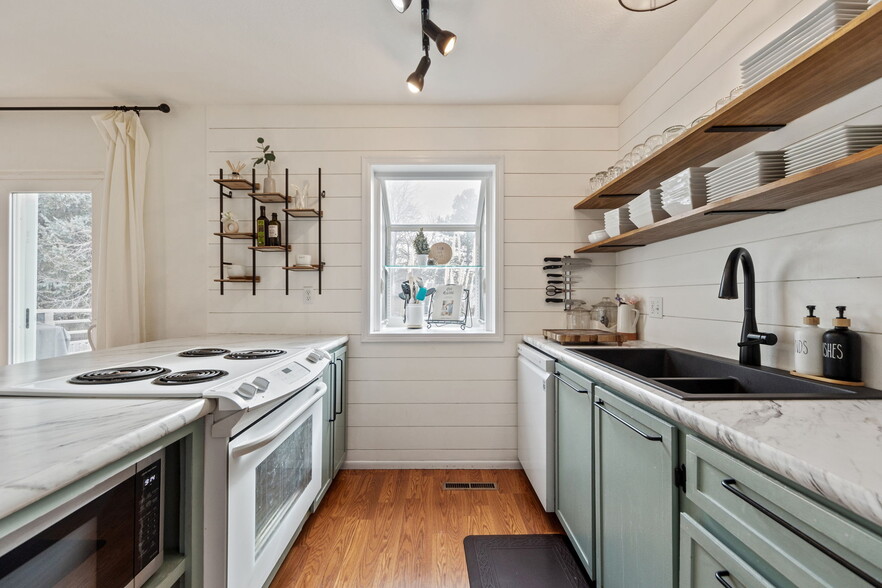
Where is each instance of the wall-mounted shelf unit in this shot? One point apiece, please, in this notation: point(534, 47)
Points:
point(857, 172)
point(844, 62)
point(292, 213)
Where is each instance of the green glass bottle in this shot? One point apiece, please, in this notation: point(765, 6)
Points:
point(261, 227)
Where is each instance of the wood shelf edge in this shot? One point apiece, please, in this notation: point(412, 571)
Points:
point(239, 236)
point(311, 268)
point(244, 280)
point(267, 248)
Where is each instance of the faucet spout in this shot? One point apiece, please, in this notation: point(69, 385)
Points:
point(751, 338)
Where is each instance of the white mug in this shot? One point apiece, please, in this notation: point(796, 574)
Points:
point(303, 259)
point(627, 319)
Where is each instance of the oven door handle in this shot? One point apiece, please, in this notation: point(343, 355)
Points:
point(267, 438)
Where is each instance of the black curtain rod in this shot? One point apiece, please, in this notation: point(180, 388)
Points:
point(161, 108)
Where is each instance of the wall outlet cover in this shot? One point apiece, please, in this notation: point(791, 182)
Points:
point(308, 295)
point(656, 307)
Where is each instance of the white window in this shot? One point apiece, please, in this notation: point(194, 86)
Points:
point(456, 292)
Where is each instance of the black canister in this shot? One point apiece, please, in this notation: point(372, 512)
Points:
point(842, 351)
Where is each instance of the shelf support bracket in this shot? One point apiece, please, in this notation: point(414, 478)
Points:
point(744, 128)
point(746, 211)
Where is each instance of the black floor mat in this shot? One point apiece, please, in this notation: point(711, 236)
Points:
point(523, 561)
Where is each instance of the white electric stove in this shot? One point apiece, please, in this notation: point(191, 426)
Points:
point(263, 442)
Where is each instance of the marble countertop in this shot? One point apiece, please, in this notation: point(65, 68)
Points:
point(830, 447)
point(48, 443)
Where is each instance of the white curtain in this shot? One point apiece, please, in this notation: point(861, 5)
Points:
point(118, 281)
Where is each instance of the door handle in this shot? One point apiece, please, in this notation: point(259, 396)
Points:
point(267, 438)
point(27, 318)
point(721, 578)
point(730, 485)
point(340, 387)
point(333, 416)
point(559, 379)
point(599, 404)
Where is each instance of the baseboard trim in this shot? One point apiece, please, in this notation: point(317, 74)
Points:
point(431, 465)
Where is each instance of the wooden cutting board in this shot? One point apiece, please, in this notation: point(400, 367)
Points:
point(586, 336)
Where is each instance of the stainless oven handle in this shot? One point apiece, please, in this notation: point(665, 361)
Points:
point(267, 438)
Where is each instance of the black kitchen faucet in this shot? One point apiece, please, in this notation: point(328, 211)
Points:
point(751, 338)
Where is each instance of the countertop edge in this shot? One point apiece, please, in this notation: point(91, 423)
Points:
point(847, 494)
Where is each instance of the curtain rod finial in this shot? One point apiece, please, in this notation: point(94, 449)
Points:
point(164, 108)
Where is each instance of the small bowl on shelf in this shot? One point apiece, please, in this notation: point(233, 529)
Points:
point(235, 270)
point(598, 236)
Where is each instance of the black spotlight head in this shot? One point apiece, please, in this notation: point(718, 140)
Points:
point(401, 5)
point(416, 79)
point(444, 40)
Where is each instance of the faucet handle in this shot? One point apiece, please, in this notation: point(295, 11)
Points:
point(759, 339)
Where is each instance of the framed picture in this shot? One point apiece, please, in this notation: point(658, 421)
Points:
point(447, 303)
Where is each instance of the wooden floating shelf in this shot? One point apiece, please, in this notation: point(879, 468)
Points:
point(303, 212)
point(847, 60)
point(269, 197)
point(248, 236)
point(272, 248)
point(299, 268)
point(856, 172)
point(237, 184)
point(243, 279)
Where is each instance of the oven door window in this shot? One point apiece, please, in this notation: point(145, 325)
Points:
point(279, 481)
point(90, 548)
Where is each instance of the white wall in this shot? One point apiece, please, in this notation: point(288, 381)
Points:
point(442, 404)
point(58, 151)
point(823, 254)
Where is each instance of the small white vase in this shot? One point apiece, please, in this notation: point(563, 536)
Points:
point(269, 182)
point(421, 259)
point(413, 315)
point(231, 226)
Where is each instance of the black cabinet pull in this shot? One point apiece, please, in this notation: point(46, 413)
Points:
point(599, 404)
point(721, 578)
point(333, 392)
point(342, 383)
point(729, 484)
point(559, 379)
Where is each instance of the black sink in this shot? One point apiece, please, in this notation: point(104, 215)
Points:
point(696, 376)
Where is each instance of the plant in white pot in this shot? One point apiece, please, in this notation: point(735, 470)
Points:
point(267, 157)
point(421, 249)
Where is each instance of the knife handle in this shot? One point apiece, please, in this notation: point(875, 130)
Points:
point(553, 300)
point(555, 259)
point(554, 275)
point(551, 267)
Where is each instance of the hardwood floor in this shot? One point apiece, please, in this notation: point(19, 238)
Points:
point(399, 528)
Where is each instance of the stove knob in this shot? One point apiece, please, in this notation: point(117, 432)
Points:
point(316, 355)
point(246, 390)
point(261, 384)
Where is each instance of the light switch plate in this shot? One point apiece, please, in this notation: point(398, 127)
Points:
point(656, 307)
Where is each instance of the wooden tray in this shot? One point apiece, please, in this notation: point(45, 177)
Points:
point(586, 336)
point(826, 380)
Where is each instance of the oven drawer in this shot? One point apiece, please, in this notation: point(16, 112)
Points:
point(806, 542)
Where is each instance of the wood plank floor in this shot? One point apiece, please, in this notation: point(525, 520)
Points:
point(399, 528)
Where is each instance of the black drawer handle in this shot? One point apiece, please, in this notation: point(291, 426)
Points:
point(599, 404)
point(721, 578)
point(559, 379)
point(729, 484)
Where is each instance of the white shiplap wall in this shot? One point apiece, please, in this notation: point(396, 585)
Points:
point(423, 404)
point(823, 254)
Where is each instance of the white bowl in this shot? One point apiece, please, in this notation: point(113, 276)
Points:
point(235, 271)
point(597, 236)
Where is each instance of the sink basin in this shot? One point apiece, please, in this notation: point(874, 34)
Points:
point(697, 376)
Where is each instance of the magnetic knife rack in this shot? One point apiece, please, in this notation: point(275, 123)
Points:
point(562, 283)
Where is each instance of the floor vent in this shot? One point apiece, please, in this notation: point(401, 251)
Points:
point(470, 486)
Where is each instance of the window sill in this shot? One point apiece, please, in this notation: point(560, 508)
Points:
point(435, 334)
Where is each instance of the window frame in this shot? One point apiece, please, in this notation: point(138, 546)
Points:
point(376, 228)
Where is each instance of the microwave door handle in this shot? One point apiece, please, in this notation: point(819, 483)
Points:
point(268, 437)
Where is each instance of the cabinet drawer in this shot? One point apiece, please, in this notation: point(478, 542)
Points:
point(705, 562)
point(808, 543)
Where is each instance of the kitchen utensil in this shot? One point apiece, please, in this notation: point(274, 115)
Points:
point(552, 291)
point(421, 294)
point(557, 300)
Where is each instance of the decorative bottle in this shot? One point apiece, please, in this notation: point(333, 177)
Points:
point(808, 355)
point(261, 227)
point(274, 231)
point(842, 351)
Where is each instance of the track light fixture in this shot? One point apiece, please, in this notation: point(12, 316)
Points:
point(401, 5)
point(444, 41)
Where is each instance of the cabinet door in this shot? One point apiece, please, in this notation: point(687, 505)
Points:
point(339, 443)
point(575, 474)
point(329, 378)
point(635, 496)
point(706, 562)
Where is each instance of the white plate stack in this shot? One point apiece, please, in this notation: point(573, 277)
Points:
point(831, 145)
point(618, 221)
point(821, 23)
point(685, 191)
point(745, 173)
point(647, 208)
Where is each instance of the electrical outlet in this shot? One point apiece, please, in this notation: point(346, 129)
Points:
point(656, 307)
point(308, 295)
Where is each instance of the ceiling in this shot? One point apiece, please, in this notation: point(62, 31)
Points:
point(332, 51)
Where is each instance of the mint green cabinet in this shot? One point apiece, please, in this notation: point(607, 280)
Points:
point(636, 502)
point(574, 503)
point(334, 420)
point(706, 562)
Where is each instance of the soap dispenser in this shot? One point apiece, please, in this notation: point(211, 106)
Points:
point(842, 351)
point(807, 345)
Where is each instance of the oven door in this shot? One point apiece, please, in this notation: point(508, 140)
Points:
point(274, 476)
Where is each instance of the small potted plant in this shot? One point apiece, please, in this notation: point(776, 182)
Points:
point(267, 157)
point(421, 248)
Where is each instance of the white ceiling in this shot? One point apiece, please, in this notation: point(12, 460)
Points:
point(331, 51)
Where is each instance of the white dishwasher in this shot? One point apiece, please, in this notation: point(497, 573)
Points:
point(536, 422)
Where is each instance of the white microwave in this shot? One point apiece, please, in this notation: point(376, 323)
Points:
point(109, 537)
